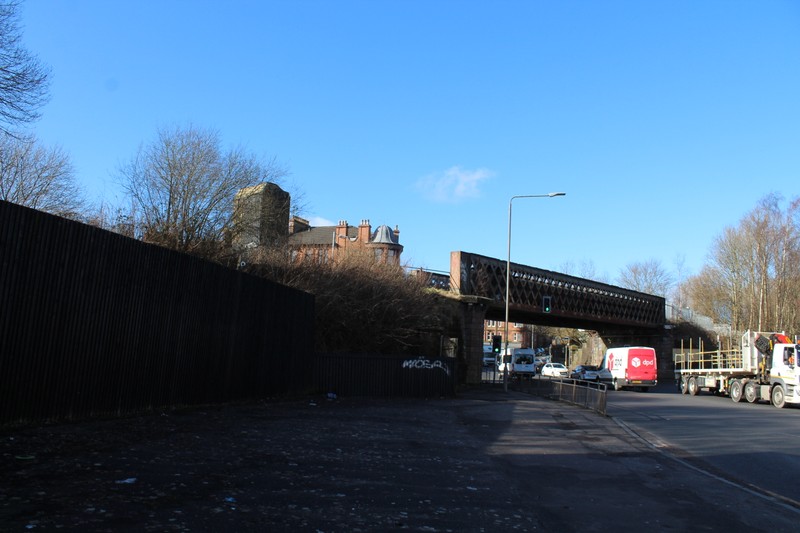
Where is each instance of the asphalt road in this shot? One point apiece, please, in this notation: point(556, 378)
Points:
point(745, 443)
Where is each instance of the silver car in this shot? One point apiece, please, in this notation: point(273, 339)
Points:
point(586, 373)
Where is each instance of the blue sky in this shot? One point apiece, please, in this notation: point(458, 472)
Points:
point(663, 121)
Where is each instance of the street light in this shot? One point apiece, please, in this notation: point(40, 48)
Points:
point(508, 273)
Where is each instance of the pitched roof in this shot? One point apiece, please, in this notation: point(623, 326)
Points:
point(319, 235)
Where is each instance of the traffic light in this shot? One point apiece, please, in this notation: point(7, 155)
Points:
point(546, 307)
point(497, 342)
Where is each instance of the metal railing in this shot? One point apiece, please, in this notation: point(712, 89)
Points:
point(587, 394)
point(712, 360)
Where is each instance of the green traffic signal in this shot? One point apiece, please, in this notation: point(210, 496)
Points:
point(497, 342)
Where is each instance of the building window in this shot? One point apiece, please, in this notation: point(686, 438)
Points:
point(517, 337)
point(490, 323)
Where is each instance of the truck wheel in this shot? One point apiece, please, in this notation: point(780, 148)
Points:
point(693, 388)
point(778, 399)
point(736, 390)
point(751, 391)
point(617, 386)
point(684, 386)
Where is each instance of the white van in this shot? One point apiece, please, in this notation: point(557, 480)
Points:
point(521, 362)
point(488, 356)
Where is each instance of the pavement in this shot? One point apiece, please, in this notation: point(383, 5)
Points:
point(486, 460)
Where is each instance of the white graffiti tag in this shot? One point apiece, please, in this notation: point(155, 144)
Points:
point(426, 364)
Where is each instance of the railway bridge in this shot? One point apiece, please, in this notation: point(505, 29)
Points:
point(620, 316)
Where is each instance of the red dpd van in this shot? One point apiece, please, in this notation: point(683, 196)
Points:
point(631, 366)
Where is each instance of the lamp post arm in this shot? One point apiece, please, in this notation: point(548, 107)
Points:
point(508, 277)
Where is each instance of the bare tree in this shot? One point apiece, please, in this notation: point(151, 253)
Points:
point(680, 280)
point(708, 293)
point(117, 219)
point(789, 271)
point(585, 269)
point(728, 272)
point(37, 177)
point(183, 184)
point(363, 305)
point(757, 229)
point(23, 79)
point(646, 276)
point(753, 270)
point(766, 240)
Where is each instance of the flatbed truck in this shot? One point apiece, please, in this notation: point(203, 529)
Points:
point(764, 367)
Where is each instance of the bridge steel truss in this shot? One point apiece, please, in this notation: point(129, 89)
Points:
point(575, 302)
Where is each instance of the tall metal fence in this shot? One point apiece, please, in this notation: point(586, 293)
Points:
point(94, 323)
point(385, 375)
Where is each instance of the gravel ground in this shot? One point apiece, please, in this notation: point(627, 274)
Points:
point(485, 461)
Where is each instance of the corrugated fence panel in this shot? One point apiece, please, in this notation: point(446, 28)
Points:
point(93, 323)
point(385, 375)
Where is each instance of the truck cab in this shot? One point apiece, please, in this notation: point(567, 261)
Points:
point(776, 375)
point(784, 375)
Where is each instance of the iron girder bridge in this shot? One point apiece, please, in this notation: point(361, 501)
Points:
point(575, 302)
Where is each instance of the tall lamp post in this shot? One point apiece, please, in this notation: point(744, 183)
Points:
point(507, 358)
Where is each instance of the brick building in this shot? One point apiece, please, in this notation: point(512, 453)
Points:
point(261, 216)
point(519, 335)
point(326, 243)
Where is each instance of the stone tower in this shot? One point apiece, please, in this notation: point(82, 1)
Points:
point(261, 215)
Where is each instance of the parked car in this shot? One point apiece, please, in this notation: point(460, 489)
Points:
point(555, 370)
point(586, 373)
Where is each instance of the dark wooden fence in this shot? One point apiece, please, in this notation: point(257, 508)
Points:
point(94, 323)
point(385, 375)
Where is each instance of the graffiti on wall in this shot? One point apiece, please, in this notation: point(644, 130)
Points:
point(423, 363)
